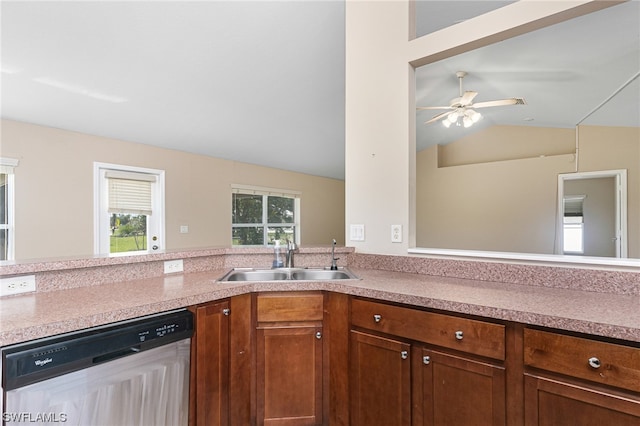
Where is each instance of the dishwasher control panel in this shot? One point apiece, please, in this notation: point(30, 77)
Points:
point(38, 360)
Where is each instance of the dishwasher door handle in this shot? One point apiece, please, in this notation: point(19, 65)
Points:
point(117, 354)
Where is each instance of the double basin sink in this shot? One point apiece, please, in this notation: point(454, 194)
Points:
point(293, 274)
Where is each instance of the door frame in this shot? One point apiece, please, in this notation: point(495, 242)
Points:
point(620, 176)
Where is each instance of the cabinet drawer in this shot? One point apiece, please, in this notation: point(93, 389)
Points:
point(472, 336)
point(276, 307)
point(607, 363)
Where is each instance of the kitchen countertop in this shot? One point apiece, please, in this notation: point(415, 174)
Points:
point(42, 314)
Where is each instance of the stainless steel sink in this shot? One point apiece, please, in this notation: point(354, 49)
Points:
point(256, 275)
point(320, 274)
point(292, 274)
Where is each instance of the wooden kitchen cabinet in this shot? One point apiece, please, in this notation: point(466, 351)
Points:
point(380, 381)
point(457, 391)
point(289, 367)
point(425, 368)
point(209, 402)
point(577, 380)
point(481, 338)
point(222, 373)
point(315, 358)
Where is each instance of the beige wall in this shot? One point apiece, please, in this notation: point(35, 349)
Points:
point(500, 143)
point(54, 191)
point(612, 148)
point(494, 197)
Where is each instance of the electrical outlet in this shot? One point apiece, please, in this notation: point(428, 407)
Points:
point(396, 233)
point(172, 266)
point(17, 285)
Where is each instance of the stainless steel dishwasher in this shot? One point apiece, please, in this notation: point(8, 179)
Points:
point(128, 373)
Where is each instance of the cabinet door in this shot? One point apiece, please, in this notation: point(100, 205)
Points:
point(211, 365)
point(550, 402)
point(459, 391)
point(289, 374)
point(380, 381)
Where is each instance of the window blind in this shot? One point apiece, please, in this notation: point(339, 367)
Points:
point(256, 190)
point(7, 165)
point(129, 192)
point(573, 205)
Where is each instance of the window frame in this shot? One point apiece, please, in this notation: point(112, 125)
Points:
point(265, 224)
point(7, 166)
point(101, 217)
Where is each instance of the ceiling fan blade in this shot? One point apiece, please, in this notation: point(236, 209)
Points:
point(501, 102)
point(438, 117)
point(434, 107)
point(467, 98)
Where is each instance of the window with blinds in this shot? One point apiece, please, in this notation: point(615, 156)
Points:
point(262, 216)
point(130, 204)
point(130, 192)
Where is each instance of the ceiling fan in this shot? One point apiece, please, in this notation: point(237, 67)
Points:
point(462, 108)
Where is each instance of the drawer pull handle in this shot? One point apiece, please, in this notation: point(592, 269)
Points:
point(226, 312)
point(318, 335)
point(377, 318)
point(459, 335)
point(594, 362)
point(404, 354)
point(426, 360)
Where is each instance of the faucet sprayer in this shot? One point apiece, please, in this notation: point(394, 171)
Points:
point(334, 259)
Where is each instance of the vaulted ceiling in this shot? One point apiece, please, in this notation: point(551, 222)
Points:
point(263, 82)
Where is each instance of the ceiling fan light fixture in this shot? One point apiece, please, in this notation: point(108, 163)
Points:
point(462, 109)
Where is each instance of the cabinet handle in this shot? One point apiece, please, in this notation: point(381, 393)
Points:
point(404, 354)
point(426, 360)
point(377, 318)
point(318, 335)
point(594, 362)
point(459, 335)
point(226, 312)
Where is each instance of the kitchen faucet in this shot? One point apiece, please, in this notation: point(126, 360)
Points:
point(334, 259)
point(291, 248)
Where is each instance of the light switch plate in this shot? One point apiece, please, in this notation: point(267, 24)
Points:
point(356, 232)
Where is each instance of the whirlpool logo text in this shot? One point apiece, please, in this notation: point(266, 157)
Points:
point(43, 362)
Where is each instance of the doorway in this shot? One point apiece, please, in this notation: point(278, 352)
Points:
point(592, 214)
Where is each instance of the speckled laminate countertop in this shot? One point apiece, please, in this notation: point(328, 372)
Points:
point(43, 314)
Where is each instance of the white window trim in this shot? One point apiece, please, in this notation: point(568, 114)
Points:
point(7, 166)
point(100, 201)
point(278, 192)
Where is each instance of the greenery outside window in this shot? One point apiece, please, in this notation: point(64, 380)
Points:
point(262, 216)
point(7, 225)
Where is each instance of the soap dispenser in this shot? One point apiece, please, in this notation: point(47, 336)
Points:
point(277, 256)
